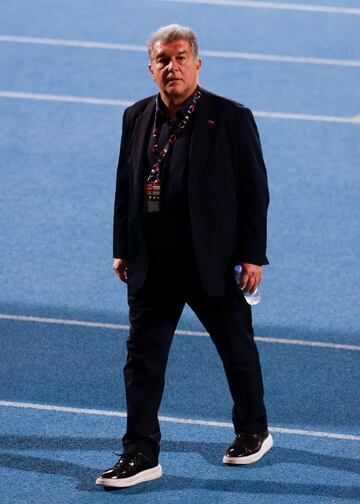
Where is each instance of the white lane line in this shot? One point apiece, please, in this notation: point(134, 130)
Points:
point(306, 117)
point(325, 9)
point(86, 44)
point(319, 344)
point(183, 332)
point(210, 53)
point(279, 58)
point(125, 103)
point(167, 419)
point(64, 98)
point(82, 323)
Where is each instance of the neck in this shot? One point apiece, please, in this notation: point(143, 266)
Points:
point(173, 103)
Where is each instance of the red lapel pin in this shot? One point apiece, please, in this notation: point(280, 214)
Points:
point(211, 122)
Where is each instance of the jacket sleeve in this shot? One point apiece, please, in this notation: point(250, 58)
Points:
point(253, 194)
point(121, 204)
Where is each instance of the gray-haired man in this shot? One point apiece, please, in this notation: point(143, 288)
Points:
point(191, 191)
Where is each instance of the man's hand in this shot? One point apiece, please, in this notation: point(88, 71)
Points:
point(120, 268)
point(250, 277)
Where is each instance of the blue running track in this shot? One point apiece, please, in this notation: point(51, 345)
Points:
point(68, 69)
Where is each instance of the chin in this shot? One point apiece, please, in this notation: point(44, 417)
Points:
point(176, 86)
point(175, 91)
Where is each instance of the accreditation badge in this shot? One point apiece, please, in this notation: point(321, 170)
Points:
point(152, 196)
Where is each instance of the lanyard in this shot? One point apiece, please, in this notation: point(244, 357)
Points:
point(160, 154)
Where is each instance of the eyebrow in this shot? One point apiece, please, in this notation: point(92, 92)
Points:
point(161, 55)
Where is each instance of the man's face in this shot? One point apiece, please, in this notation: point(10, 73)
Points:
point(174, 68)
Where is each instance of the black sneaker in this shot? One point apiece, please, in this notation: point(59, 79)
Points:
point(248, 448)
point(130, 469)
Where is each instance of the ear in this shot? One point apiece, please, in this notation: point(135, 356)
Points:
point(151, 70)
point(198, 64)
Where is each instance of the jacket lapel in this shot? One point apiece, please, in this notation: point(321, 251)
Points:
point(141, 137)
point(205, 122)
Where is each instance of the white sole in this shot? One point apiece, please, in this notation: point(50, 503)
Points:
point(147, 475)
point(251, 459)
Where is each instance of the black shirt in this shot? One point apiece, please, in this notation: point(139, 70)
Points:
point(168, 231)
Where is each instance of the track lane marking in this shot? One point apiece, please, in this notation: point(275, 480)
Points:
point(88, 44)
point(125, 103)
point(281, 58)
point(168, 419)
point(64, 98)
point(325, 9)
point(304, 117)
point(183, 332)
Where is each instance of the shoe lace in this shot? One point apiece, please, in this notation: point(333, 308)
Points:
point(125, 459)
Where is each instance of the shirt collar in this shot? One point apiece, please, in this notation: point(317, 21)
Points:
point(162, 109)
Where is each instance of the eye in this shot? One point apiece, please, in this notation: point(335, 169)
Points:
point(161, 62)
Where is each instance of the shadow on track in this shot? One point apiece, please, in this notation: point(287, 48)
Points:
point(211, 452)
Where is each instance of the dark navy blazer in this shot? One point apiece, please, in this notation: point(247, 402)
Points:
point(227, 190)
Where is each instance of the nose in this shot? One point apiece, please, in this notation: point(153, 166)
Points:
point(172, 65)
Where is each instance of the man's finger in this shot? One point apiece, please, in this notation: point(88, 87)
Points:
point(249, 287)
point(248, 282)
point(254, 284)
point(122, 272)
point(243, 280)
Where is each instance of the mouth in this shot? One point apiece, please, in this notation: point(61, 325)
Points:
point(171, 81)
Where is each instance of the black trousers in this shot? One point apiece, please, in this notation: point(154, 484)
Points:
point(155, 310)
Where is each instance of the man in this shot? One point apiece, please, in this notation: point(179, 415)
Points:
point(191, 202)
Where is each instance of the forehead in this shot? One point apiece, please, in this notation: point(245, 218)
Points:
point(170, 48)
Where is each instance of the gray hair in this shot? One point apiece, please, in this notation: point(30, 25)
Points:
point(173, 32)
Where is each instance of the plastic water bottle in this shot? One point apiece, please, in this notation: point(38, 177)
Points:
point(252, 299)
